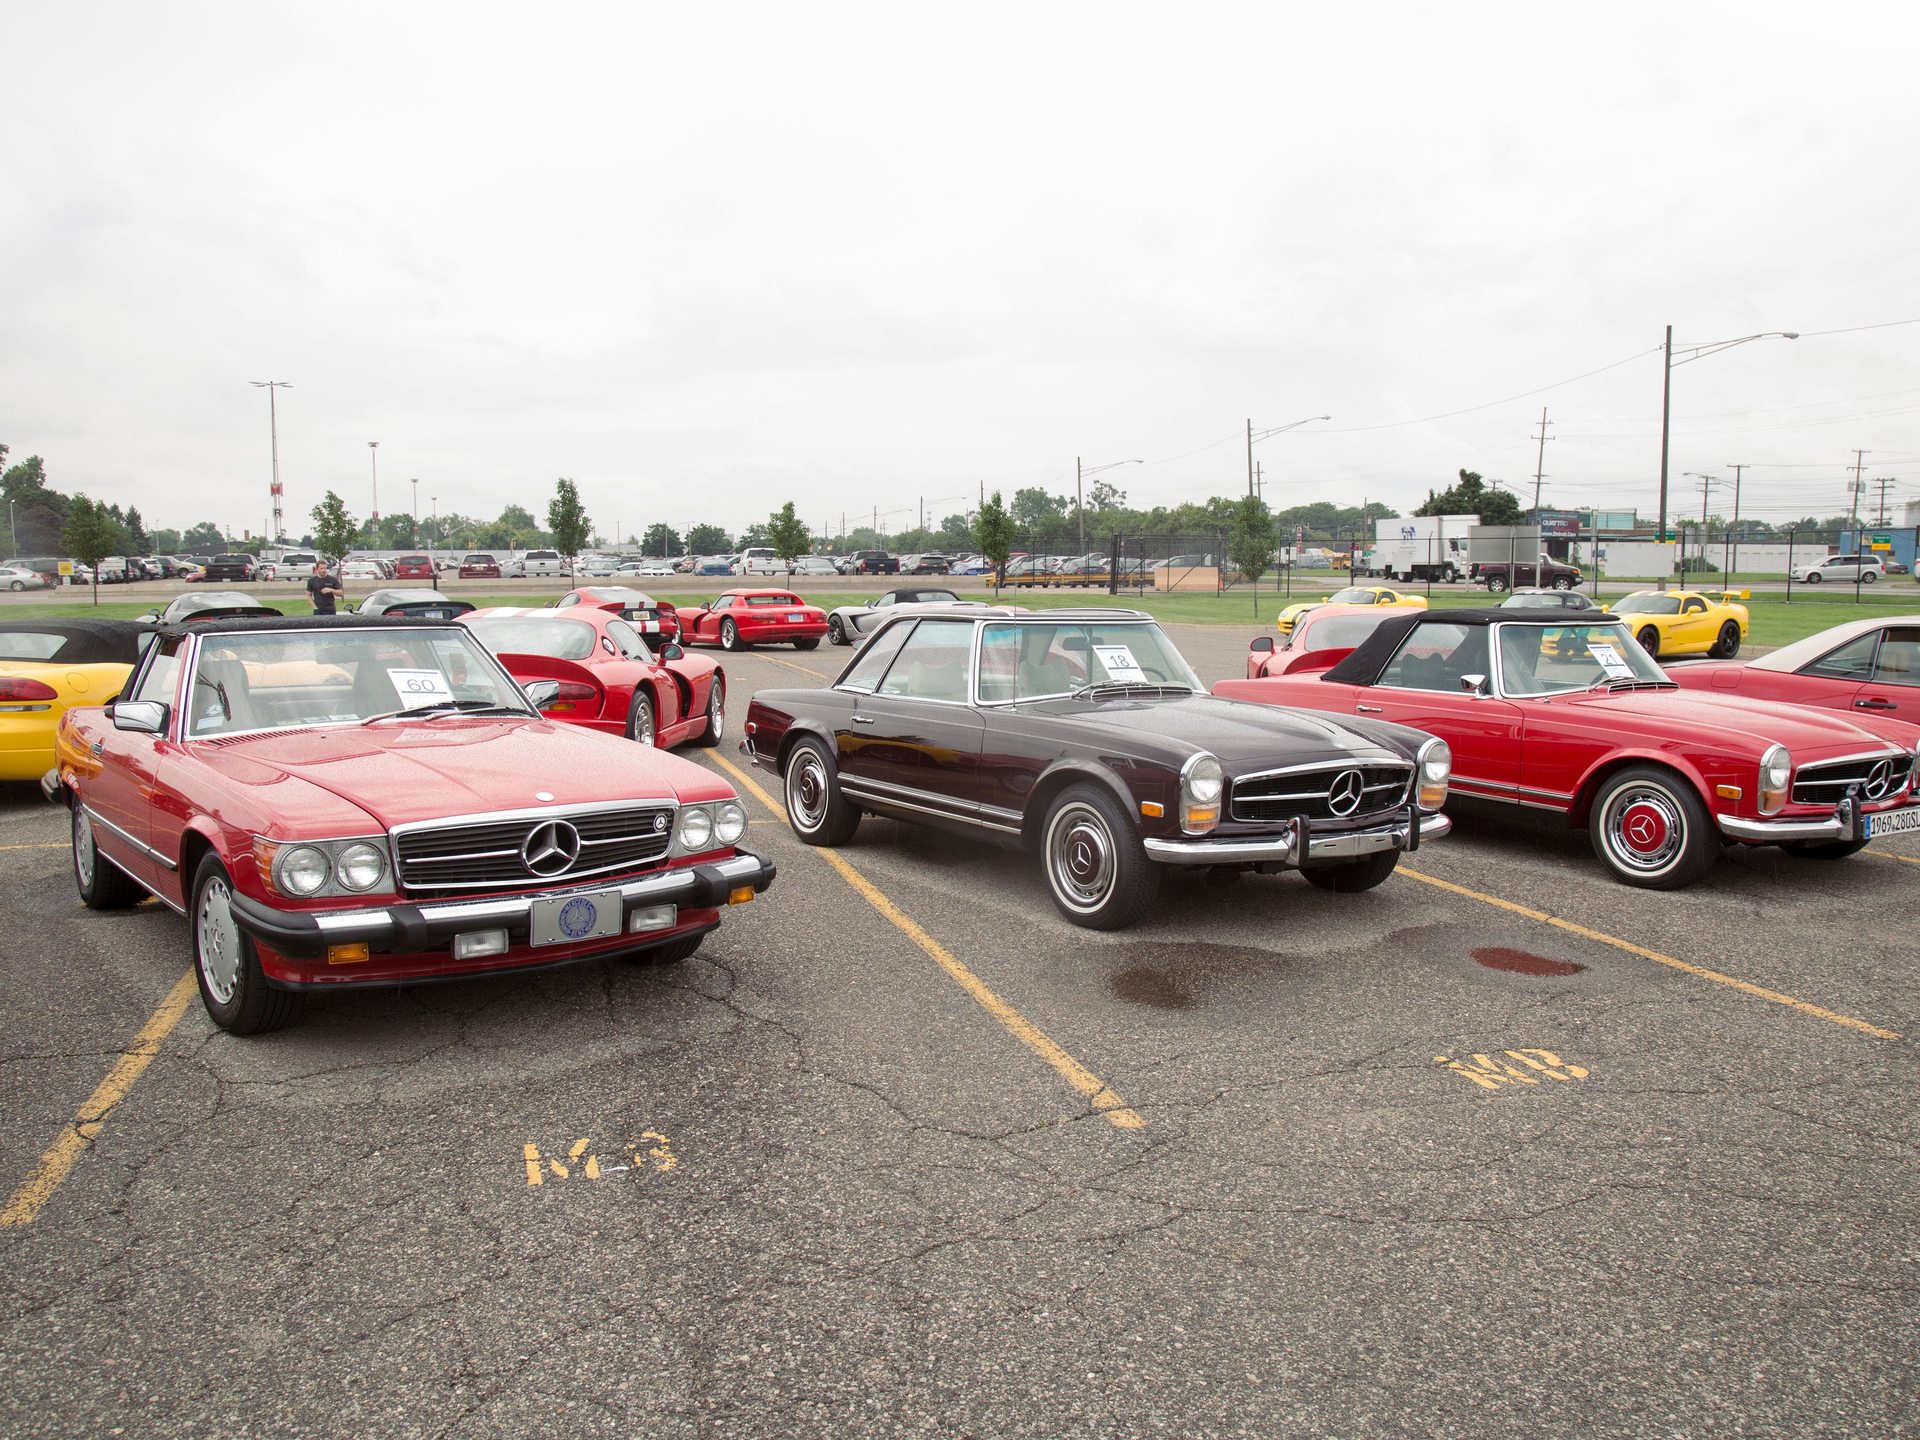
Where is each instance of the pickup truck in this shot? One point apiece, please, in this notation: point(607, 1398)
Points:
point(533, 563)
point(1498, 575)
point(873, 562)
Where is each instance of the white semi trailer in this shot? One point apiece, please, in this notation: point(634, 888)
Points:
point(1421, 547)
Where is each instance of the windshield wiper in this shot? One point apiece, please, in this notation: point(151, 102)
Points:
point(447, 707)
point(1127, 687)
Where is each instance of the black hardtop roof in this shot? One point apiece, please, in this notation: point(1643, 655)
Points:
point(252, 624)
point(1370, 657)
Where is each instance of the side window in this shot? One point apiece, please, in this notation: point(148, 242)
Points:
point(1899, 662)
point(628, 639)
point(1852, 661)
point(1695, 607)
point(936, 664)
point(1434, 657)
point(723, 603)
point(876, 656)
point(567, 602)
point(162, 675)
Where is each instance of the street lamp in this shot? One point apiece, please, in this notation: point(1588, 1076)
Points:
point(1688, 354)
point(416, 511)
point(373, 454)
point(1080, 473)
point(1253, 435)
point(273, 430)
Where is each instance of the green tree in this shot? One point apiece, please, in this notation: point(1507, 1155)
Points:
point(335, 532)
point(753, 535)
point(993, 533)
point(1034, 507)
point(1102, 497)
point(1250, 543)
point(1472, 496)
point(138, 541)
point(395, 532)
point(202, 539)
point(662, 540)
point(567, 519)
point(787, 533)
point(91, 534)
point(166, 542)
point(518, 519)
point(708, 540)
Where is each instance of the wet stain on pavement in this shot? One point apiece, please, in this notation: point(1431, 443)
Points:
point(1520, 962)
point(1144, 985)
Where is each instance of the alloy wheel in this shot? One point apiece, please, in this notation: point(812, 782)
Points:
point(82, 846)
point(219, 941)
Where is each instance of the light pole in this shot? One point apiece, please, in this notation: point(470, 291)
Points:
point(273, 430)
point(1253, 435)
point(373, 454)
point(1080, 473)
point(436, 536)
point(416, 511)
point(1688, 354)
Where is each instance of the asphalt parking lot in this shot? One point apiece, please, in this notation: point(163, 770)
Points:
point(901, 1152)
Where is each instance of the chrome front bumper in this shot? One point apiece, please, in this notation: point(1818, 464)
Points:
point(1300, 846)
point(1774, 832)
point(406, 928)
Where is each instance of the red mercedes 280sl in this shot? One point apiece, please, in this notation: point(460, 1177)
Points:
point(1565, 712)
point(347, 801)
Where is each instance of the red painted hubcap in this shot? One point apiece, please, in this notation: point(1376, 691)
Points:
point(1644, 828)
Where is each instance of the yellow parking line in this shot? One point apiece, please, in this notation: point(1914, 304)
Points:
point(1022, 1029)
point(1627, 945)
point(61, 845)
point(92, 1117)
point(1910, 859)
point(788, 663)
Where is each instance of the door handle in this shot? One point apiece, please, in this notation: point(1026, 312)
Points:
point(1366, 709)
point(1874, 702)
point(862, 720)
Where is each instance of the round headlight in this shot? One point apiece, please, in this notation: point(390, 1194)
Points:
point(729, 822)
point(696, 828)
point(1436, 763)
point(303, 870)
point(1203, 780)
point(360, 867)
point(1776, 768)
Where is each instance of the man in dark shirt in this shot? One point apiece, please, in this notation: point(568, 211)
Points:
point(321, 588)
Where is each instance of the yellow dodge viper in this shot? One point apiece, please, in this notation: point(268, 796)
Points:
point(1686, 622)
point(47, 666)
point(1353, 595)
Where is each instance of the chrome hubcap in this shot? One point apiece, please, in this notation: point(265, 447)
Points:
point(717, 709)
point(1643, 829)
point(1080, 857)
point(219, 941)
point(82, 846)
point(643, 722)
point(807, 791)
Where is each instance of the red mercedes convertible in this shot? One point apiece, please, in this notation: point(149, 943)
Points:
point(742, 618)
point(609, 678)
point(1566, 713)
point(338, 802)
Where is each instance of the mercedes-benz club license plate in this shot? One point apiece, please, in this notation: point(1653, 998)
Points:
point(565, 919)
point(1891, 822)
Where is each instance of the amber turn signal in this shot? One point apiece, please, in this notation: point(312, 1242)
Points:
point(740, 895)
point(1152, 810)
point(1727, 792)
point(346, 954)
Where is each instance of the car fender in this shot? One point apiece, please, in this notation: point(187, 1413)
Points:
point(1598, 773)
point(1057, 777)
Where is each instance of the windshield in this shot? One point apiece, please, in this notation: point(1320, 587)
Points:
point(1027, 660)
point(1356, 597)
point(533, 635)
point(1540, 659)
point(1336, 632)
point(289, 679)
point(1648, 605)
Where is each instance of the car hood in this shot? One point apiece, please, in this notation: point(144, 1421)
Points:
point(1242, 736)
point(405, 771)
point(1693, 715)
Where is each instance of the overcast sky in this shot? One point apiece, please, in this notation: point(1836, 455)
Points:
point(705, 263)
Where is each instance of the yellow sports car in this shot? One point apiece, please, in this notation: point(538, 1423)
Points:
point(47, 666)
point(1686, 622)
point(1354, 595)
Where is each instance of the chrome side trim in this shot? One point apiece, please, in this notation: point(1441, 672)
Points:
point(1484, 789)
point(897, 804)
point(539, 812)
point(114, 830)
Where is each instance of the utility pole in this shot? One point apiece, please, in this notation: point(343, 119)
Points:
point(1884, 481)
point(1859, 485)
point(273, 429)
point(1733, 541)
point(1260, 480)
point(373, 454)
point(1250, 455)
point(436, 535)
point(1666, 418)
point(1080, 504)
point(1540, 465)
point(416, 511)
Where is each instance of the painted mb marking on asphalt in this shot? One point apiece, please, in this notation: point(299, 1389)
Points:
point(1492, 1072)
point(638, 1152)
point(1025, 1031)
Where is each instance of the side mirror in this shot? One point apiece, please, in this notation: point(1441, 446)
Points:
point(541, 693)
point(671, 651)
point(147, 717)
point(1263, 643)
point(873, 602)
point(1475, 685)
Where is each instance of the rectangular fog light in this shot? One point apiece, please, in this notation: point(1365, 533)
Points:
point(740, 895)
point(346, 954)
point(480, 942)
point(654, 917)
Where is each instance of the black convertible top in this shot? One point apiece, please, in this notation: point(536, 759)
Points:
point(87, 641)
point(1370, 657)
point(253, 624)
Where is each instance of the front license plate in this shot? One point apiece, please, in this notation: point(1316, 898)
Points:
point(567, 919)
point(1892, 822)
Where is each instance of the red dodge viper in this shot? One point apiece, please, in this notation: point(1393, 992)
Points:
point(741, 618)
point(609, 679)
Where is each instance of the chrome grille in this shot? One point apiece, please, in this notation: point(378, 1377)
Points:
point(456, 859)
point(1827, 784)
point(1305, 792)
